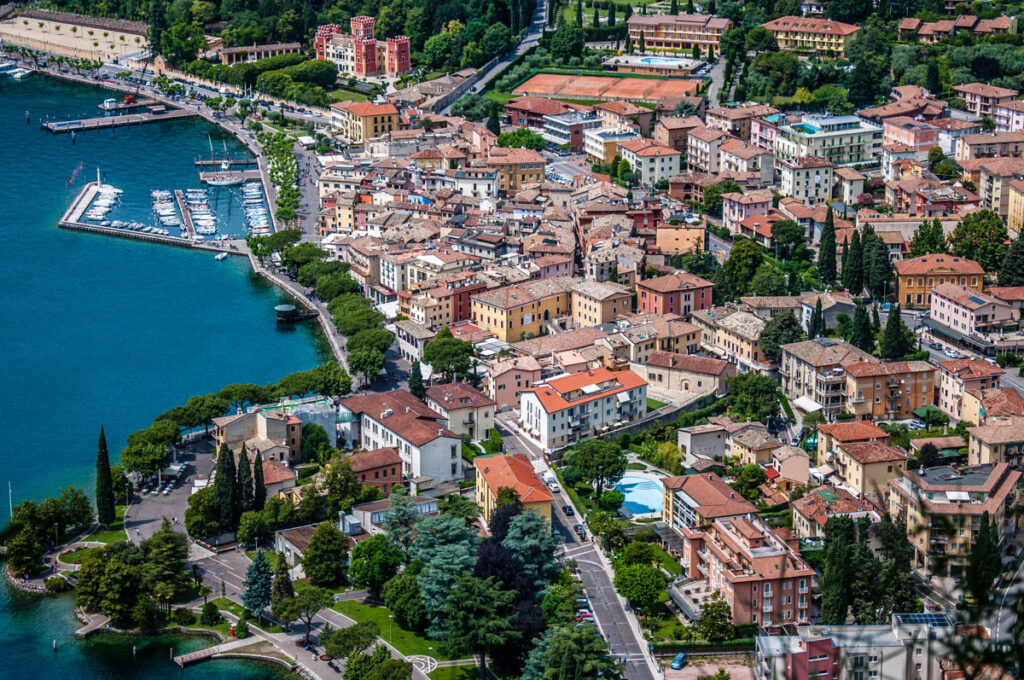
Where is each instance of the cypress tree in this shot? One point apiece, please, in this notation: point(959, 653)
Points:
point(643, 48)
point(281, 587)
point(627, 11)
point(895, 344)
point(674, 7)
point(861, 335)
point(879, 268)
point(817, 321)
point(690, 9)
point(259, 490)
point(493, 122)
point(1012, 272)
point(844, 256)
point(827, 250)
point(853, 268)
point(416, 386)
point(611, 18)
point(876, 321)
point(597, 17)
point(629, 44)
point(579, 13)
point(105, 506)
point(225, 489)
point(245, 490)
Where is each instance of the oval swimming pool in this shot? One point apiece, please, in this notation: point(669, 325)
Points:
point(643, 494)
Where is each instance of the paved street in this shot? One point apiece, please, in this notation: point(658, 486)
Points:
point(619, 628)
point(145, 514)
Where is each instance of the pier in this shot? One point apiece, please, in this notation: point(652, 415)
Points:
point(217, 177)
point(186, 215)
point(232, 162)
point(102, 122)
point(125, 106)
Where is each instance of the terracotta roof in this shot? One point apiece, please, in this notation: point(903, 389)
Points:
point(551, 393)
point(714, 498)
point(853, 431)
point(822, 352)
point(749, 197)
point(985, 90)
point(962, 295)
point(807, 25)
point(756, 439)
point(999, 431)
point(647, 147)
point(526, 364)
point(936, 263)
point(806, 162)
point(849, 174)
point(970, 368)
point(512, 471)
point(863, 369)
point(546, 344)
point(999, 401)
point(815, 506)
point(538, 105)
point(672, 283)
point(622, 108)
point(687, 362)
point(366, 108)
point(458, 395)
point(866, 453)
point(274, 472)
point(402, 413)
point(510, 297)
point(378, 458)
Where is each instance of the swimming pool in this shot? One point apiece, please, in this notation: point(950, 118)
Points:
point(643, 494)
point(659, 60)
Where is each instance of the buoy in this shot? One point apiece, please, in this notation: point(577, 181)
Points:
point(55, 645)
point(133, 651)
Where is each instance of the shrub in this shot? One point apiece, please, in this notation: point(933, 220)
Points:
point(184, 616)
point(210, 615)
point(242, 629)
point(56, 584)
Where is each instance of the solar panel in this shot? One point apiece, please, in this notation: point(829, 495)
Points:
point(929, 618)
point(975, 299)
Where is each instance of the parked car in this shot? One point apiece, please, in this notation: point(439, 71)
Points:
point(583, 615)
point(567, 509)
point(951, 353)
point(935, 345)
point(678, 661)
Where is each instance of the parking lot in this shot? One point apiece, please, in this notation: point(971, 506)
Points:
point(146, 511)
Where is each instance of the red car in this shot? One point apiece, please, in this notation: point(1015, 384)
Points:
point(583, 616)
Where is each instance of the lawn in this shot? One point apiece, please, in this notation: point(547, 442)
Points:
point(76, 556)
point(636, 466)
point(269, 554)
point(670, 563)
point(224, 604)
point(455, 673)
point(346, 96)
point(115, 534)
point(407, 642)
point(502, 98)
point(654, 404)
point(663, 624)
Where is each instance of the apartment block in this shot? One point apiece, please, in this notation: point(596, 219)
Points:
point(983, 99)
point(842, 140)
point(812, 36)
point(807, 178)
point(736, 119)
point(916, 277)
point(943, 508)
point(680, 293)
point(866, 467)
point(466, 410)
point(520, 310)
point(359, 121)
point(813, 370)
point(738, 206)
point(998, 440)
point(889, 390)
point(678, 31)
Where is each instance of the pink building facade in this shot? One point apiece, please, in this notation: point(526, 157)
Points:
point(958, 376)
point(905, 131)
point(737, 207)
point(968, 311)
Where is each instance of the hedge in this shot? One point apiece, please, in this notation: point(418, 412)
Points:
point(739, 644)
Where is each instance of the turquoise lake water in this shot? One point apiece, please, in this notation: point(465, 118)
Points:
point(101, 330)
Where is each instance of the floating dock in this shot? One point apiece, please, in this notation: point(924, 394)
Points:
point(232, 162)
point(102, 122)
point(125, 106)
point(186, 214)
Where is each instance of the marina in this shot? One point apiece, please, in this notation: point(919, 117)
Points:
point(103, 122)
point(115, 105)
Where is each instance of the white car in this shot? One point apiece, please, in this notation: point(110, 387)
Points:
point(951, 353)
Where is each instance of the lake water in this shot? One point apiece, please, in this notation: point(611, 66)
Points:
point(101, 330)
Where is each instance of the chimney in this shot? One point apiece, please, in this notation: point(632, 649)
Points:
point(440, 431)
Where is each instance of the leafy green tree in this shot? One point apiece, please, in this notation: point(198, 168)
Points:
point(713, 196)
point(344, 642)
point(715, 622)
point(24, 553)
point(853, 266)
point(281, 587)
point(787, 236)
point(144, 458)
point(437, 581)
point(401, 596)
point(448, 356)
point(781, 329)
point(105, 508)
point(306, 604)
point(258, 593)
point(768, 280)
point(401, 518)
point(202, 515)
point(981, 236)
point(374, 563)
point(528, 539)
point(120, 588)
point(522, 138)
point(252, 526)
point(246, 495)
point(571, 653)
point(368, 361)
point(479, 618)
point(378, 665)
point(747, 481)
point(166, 555)
point(637, 552)
point(744, 260)
point(568, 41)
point(641, 584)
point(754, 396)
point(325, 557)
point(597, 462)
point(1012, 271)
point(225, 490)
point(416, 386)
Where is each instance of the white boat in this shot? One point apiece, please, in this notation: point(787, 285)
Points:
point(109, 105)
point(19, 73)
point(224, 180)
point(220, 256)
point(6, 66)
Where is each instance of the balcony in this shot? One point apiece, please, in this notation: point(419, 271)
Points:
point(767, 607)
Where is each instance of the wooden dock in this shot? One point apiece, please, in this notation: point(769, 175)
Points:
point(186, 215)
point(57, 127)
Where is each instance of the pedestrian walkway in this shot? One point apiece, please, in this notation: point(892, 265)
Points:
point(193, 657)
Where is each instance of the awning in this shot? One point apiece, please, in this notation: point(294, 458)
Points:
point(771, 473)
point(970, 340)
point(924, 411)
point(806, 404)
point(822, 471)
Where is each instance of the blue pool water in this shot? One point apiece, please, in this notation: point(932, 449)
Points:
point(659, 60)
point(643, 495)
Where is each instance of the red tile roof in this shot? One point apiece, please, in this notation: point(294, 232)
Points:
point(686, 362)
point(853, 431)
point(971, 368)
point(512, 471)
point(458, 395)
point(808, 25)
point(378, 458)
point(274, 472)
point(935, 263)
point(713, 496)
point(863, 369)
point(402, 413)
point(866, 453)
point(551, 393)
point(672, 283)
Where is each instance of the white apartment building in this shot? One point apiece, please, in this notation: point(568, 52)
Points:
point(558, 412)
point(806, 178)
point(843, 140)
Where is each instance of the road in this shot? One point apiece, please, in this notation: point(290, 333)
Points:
point(619, 628)
point(527, 41)
point(717, 80)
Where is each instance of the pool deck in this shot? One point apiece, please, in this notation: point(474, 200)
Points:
point(646, 476)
